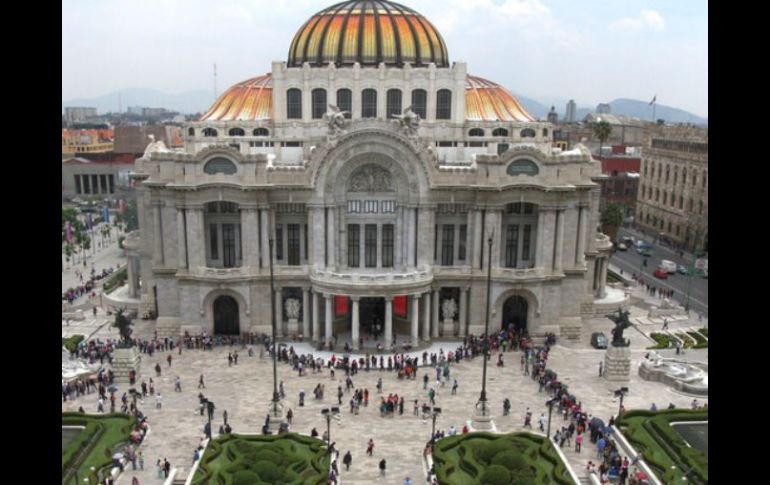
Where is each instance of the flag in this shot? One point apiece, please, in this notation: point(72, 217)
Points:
point(654, 98)
point(69, 232)
point(106, 214)
point(89, 221)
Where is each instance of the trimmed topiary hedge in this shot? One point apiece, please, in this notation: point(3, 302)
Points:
point(71, 343)
point(115, 280)
point(528, 459)
point(275, 459)
point(95, 445)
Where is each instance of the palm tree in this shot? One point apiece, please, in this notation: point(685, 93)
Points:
point(602, 130)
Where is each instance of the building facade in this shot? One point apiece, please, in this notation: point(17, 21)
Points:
point(79, 114)
point(378, 211)
point(673, 194)
point(621, 184)
point(570, 115)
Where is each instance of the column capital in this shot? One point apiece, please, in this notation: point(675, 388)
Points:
point(306, 289)
point(389, 298)
point(248, 207)
point(416, 296)
point(263, 206)
point(464, 289)
point(328, 296)
point(354, 297)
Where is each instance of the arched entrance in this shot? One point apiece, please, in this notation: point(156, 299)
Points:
point(515, 313)
point(226, 316)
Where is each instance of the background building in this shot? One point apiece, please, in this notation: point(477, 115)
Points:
point(570, 114)
point(621, 166)
point(76, 142)
point(77, 114)
point(673, 195)
point(379, 219)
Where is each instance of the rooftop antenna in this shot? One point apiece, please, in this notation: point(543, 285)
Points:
point(215, 81)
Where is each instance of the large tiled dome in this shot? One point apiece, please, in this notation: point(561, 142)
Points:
point(368, 32)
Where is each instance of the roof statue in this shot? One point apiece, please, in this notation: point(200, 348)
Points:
point(410, 122)
point(154, 146)
point(335, 118)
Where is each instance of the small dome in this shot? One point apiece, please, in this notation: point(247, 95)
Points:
point(488, 101)
point(368, 32)
point(246, 101)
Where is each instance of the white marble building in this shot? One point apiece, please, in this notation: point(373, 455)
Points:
point(377, 220)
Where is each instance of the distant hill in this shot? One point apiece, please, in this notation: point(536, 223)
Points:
point(643, 110)
point(536, 109)
point(185, 102)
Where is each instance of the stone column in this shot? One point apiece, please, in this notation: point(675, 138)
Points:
point(463, 311)
point(278, 312)
point(497, 236)
point(158, 259)
point(266, 234)
point(426, 234)
point(540, 239)
point(580, 257)
point(132, 279)
point(388, 322)
point(426, 317)
point(415, 318)
point(603, 280)
point(354, 328)
point(329, 322)
point(435, 313)
point(398, 238)
point(181, 238)
point(306, 313)
point(250, 248)
point(411, 213)
point(559, 239)
point(316, 236)
point(379, 246)
point(477, 239)
point(548, 239)
point(331, 247)
point(196, 238)
point(316, 318)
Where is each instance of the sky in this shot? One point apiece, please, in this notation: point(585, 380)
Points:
point(591, 51)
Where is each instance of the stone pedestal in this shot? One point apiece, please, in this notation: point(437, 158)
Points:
point(448, 328)
point(293, 327)
point(124, 360)
point(482, 417)
point(617, 364)
point(277, 416)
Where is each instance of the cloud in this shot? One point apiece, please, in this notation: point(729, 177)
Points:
point(647, 19)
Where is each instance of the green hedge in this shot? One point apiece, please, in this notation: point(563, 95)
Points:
point(664, 341)
point(276, 459)
point(115, 280)
point(101, 436)
point(662, 446)
point(71, 343)
point(478, 458)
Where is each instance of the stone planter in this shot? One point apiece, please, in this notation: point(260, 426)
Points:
point(125, 360)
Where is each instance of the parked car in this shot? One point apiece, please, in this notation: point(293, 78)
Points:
point(628, 241)
point(669, 266)
point(646, 252)
point(599, 340)
point(622, 247)
point(682, 269)
point(660, 273)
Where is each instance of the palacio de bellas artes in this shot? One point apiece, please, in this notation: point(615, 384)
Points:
point(381, 170)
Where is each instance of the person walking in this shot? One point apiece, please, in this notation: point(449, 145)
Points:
point(347, 460)
point(370, 447)
point(454, 387)
point(541, 420)
point(158, 400)
point(601, 368)
point(168, 359)
point(157, 370)
point(224, 416)
point(166, 467)
point(200, 383)
point(178, 384)
point(141, 460)
point(382, 467)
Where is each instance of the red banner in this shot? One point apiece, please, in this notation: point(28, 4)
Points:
point(340, 305)
point(399, 306)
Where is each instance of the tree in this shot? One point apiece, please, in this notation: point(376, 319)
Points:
point(612, 218)
point(602, 131)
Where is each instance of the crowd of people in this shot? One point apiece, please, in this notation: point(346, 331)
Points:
point(87, 285)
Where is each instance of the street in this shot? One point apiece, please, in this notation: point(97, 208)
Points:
point(631, 262)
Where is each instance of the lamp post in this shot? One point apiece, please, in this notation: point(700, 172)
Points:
point(434, 411)
point(621, 392)
point(276, 397)
point(327, 412)
point(484, 413)
point(550, 403)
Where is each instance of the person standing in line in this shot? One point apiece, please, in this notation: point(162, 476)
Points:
point(347, 460)
point(382, 467)
point(158, 400)
point(601, 368)
point(370, 447)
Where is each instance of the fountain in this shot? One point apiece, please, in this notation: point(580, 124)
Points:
point(71, 368)
point(689, 377)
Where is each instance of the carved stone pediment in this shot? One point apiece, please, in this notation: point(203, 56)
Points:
point(371, 178)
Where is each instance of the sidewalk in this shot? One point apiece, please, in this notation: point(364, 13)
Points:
point(109, 256)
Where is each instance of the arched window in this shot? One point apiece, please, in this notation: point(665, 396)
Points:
point(684, 176)
point(260, 132)
point(219, 165)
point(665, 197)
point(210, 132)
point(499, 132)
point(528, 133)
point(545, 131)
point(368, 103)
point(294, 104)
point(676, 174)
point(522, 166)
point(694, 178)
point(667, 172)
point(443, 104)
point(476, 132)
point(393, 102)
point(236, 132)
point(657, 195)
point(318, 97)
point(704, 178)
point(700, 207)
point(681, 202)
point(420, 102)
point(191, 132)
point(345, 101)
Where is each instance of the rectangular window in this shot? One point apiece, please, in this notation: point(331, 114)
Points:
point(228, 245)
point(368, 103)
point(463, 240)
point(291, 144)
point(446, 144)
point(214, 241)
point(388, 206)
point(511, 245)
point(393, 102)
point(354, 206)
point(354, 238)
point(387, 245)
point(292, 232)
point(278, 243)
point(95, 184)
point(86, 184)
point(78, 188)
point(525, 243)
point(370, 250)
point(111, 179)
point(103, 183)
point(345, 101)
point(447, 245)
